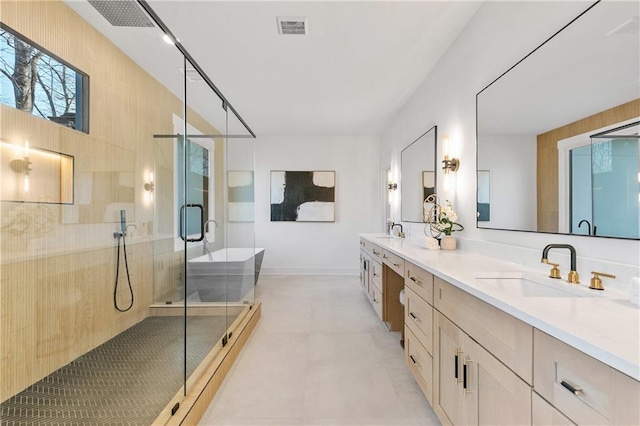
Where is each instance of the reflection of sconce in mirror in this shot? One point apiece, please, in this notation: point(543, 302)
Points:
point(23, 165)
point(450, 164)
point(149, 187)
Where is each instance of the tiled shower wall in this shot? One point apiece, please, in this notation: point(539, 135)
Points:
point(57, 280)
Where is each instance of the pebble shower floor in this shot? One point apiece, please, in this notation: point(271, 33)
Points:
point(127, 380)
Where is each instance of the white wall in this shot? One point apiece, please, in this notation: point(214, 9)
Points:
point(323, 248)
point(499, 35)
point(511, 161)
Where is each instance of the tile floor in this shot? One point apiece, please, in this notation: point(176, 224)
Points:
point(319, 356)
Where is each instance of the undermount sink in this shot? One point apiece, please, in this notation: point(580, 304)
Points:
point(529, 285)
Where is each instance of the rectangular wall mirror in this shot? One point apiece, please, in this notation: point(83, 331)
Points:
point(418, 175)
point(538, 126)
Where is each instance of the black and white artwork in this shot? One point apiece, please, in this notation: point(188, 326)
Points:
point(240, 193)
point(303, 196)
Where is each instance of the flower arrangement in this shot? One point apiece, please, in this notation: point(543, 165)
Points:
point(446, 220)
point(440, 219)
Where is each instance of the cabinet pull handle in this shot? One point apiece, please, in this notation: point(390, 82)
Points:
point(464, 375)
point(455, 367)
point(415, 280)
point(397, 265)
point(376, 252)
point(384, 256)
point(412, 315)
point(574, 390)
point(413, 359)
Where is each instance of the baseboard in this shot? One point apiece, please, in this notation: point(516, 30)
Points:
point(355, 271)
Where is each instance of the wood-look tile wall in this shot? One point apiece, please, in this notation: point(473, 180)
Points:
point(547, 166)
point(57, 273)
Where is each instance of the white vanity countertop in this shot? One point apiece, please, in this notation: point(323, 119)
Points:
point(602, 326)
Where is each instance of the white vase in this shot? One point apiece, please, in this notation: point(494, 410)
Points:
point(448, 243)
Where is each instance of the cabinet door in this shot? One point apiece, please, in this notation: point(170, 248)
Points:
point(545, 414)
point(364, 270)
point(447, 389)
point(494, 395)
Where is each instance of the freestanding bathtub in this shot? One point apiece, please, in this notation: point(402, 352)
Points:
point(225, 275)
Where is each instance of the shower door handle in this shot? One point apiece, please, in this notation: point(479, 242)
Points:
point(183, 232)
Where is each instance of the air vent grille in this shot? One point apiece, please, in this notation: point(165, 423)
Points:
point(122, 13)
point(292, 26)
point(629, 27)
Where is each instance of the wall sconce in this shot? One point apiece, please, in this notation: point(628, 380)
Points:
point(449, 164)
point(149, 187)
point(22, 165)
point(391, 186)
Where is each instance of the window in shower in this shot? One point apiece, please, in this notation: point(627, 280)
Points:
point(37, 82)
point(197, 201)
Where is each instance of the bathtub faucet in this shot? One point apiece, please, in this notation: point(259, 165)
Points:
point(205, 242)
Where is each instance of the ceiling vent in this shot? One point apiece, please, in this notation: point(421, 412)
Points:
point(192, 75)
point(292, 26)
point(629, 27)
point(122, 13)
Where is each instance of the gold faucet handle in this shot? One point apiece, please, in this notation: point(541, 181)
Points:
point(596, 282)
point(555, 270)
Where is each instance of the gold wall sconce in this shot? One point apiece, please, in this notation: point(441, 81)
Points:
point(449, 164)
point(149, 187)
point(391, 185)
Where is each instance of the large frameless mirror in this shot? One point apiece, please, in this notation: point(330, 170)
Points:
point(540, 167)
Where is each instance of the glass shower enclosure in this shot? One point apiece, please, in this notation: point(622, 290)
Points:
point(118, 295)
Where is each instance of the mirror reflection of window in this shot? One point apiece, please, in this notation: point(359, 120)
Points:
point(614, 170)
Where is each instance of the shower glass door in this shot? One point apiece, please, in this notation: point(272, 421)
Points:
point(215, 175)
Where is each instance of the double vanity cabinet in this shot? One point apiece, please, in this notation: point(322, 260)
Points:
point(479, 364)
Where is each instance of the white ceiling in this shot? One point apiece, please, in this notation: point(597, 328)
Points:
point(348, 77)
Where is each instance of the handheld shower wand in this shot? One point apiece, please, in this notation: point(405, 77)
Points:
point(122, 235)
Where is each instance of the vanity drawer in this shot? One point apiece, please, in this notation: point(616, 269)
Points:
point(375, 297)
point(376, 272)
point(507, 338)
point(581, 387)
point(419, 280)
point(374, 250)
point(420, 363)
point(394, 262)
point(418, 316)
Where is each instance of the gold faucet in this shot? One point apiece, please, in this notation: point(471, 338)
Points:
point(573, 277)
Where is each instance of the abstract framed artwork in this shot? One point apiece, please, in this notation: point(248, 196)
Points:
point(240, 187)
point(301, 196)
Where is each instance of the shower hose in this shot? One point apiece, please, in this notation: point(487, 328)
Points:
point(126, 264)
